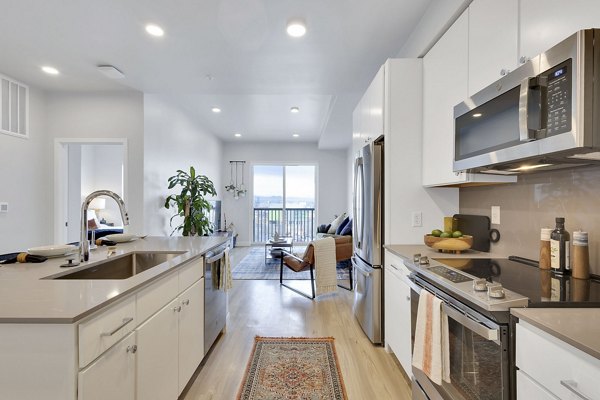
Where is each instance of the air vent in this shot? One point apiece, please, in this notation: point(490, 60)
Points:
point(14, 107)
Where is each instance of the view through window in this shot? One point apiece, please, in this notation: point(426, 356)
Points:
point(284, 202)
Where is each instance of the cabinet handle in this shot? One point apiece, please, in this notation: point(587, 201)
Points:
point(132, 349)
point(177, 309)
point(407, 298)
point(393, 266)
point(186, 302)
point(572, 386)
point(125, 322)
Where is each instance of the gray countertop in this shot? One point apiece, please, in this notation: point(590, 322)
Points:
point(579, 327)
point(25, 297)
point(406, 251)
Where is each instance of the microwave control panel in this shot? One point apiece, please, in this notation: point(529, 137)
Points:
point(559, 99)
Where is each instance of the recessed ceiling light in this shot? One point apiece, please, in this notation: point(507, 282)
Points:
point(477, 115)
point(154, 30)
point(295, 135)
point(50, 70)
point(216, 110)
point(295, 110)
point(238, 135)
point(296, 27)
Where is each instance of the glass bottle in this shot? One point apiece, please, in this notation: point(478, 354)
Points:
point(560, 248)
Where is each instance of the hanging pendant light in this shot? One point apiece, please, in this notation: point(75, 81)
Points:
point(233, 187)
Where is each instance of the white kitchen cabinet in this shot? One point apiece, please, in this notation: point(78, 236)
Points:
point(367, 118)
point(551, 364)
point(544, 23)
point(493, 41)
point(158, 354)
point(191, 332)
point(112, 375)
point(397, 311)
point(445, 84)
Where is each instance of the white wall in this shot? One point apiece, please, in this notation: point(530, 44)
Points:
point(104, 115)
point(26, 183)
point(173, 140)
point(332, 179)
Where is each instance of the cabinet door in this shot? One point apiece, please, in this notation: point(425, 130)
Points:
point(444, 86)
point(493, 41)
point(112, 375)
point(544, 23)
point(191, 331)
point(376, 104)
point(398, 313)
point(158, 353)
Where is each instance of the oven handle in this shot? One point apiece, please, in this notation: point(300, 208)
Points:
point(481, 330)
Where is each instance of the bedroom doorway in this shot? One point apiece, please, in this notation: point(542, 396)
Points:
point(81, 167)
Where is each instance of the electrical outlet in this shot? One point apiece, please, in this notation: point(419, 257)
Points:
point(496, 215)
point(417, 219)
point(3, 207)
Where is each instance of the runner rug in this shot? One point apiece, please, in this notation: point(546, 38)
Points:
point(293, 369)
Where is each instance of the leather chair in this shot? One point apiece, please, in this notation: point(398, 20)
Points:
point(343, 252)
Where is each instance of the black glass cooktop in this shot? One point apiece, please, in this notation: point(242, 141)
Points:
point(540, 286)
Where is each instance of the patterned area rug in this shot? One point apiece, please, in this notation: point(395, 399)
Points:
point(254, 266)
point(293, 369)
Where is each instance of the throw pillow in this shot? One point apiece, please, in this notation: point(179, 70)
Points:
point(338, 231)
point(335, 223)
point(347, 229)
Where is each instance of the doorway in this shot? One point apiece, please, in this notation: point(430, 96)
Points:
point(81, 167)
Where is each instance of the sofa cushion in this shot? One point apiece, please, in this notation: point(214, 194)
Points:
point(339, 229)
point(336, 222)
point(347, 229)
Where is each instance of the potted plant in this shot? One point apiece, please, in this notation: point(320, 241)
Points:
point(191, 202)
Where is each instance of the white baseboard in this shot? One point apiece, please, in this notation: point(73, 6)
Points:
point(242, 244)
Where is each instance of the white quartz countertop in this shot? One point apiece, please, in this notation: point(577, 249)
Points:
point(579, 327)
point(26, 297)
point(407, 251)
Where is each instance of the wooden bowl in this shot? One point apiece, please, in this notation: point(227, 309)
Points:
point(449, 245)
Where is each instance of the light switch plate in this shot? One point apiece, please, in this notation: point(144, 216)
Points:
point(3, 207)
point(496, 215)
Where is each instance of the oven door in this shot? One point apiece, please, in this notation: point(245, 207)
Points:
point(479, 362)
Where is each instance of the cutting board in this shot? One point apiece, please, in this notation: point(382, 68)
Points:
point(477, 226)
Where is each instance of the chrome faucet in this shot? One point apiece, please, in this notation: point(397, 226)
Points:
point(84, 245)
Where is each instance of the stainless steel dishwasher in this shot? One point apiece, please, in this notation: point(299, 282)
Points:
point(215, 298)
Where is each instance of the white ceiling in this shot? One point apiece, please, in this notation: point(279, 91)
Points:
point(258, 71)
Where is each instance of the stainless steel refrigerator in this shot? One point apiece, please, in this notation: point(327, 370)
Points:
point(367, 260)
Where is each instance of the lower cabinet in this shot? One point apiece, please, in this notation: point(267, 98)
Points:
point(397, 312)
point(191, 332)
point(112, 375)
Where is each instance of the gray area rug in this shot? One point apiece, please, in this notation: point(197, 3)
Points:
point(253, 266)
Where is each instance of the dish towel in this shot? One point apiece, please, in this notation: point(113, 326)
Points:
point(226, 279)
point(325, 272)
point(431, 353)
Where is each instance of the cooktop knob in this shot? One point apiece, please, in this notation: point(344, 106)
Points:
point(424, 260)
point(480, 285)
point(496, 291)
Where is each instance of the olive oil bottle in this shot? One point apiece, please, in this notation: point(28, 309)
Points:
point(560, 248)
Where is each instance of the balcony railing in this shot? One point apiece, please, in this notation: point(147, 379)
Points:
point(299, 223)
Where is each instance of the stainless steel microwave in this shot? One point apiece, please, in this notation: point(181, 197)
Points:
point(544, 115)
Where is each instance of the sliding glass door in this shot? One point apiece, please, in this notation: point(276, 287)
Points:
point(284, 202)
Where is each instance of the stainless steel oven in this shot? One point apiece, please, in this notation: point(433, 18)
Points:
point(479, 356)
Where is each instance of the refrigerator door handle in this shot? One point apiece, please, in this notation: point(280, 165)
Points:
point(359, 182)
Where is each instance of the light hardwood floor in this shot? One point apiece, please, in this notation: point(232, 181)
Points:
point(264, 308)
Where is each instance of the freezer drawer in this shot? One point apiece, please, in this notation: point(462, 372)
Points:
point(367, 299)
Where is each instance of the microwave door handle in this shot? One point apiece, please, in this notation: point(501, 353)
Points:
point(525, 134)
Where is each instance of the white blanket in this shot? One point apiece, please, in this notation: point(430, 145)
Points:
point(431, 353)
point(326, 274)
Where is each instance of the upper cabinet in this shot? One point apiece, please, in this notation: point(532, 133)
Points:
point(544, 23)
point(446, 77)
point(493, 41)
point(367, 119)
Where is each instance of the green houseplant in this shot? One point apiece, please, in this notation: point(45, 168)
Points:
point(191, 202)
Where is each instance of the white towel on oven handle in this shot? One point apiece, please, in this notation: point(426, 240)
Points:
point(431, 353)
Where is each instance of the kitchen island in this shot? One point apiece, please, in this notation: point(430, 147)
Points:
point(104, 338)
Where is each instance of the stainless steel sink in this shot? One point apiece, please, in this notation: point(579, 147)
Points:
point(121, 267)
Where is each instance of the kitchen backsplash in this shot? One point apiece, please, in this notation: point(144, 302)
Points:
point(533, 203)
